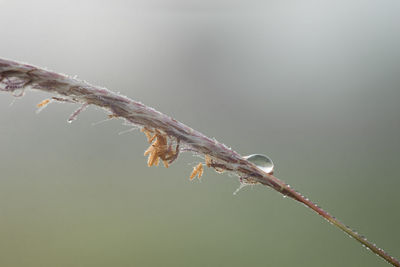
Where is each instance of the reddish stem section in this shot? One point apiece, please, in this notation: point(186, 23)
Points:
point(16, 76)
point(297, 196)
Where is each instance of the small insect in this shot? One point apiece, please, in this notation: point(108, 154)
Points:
point(43, 103)
point(198, 170)
point(159, 148)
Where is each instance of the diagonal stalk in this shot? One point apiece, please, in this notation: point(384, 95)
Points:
point(287, 190)
point(17, 77)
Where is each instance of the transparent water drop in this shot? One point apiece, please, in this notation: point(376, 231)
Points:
point(261, 161)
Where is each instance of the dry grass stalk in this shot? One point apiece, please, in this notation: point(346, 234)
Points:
point(160, 129)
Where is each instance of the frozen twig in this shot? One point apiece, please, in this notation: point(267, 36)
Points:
point(161, 131)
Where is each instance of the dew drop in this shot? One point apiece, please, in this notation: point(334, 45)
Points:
point(261, 161)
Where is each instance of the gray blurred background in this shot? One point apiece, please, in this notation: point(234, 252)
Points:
point(313, 84)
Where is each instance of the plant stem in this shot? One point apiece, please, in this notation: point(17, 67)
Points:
point(16, 77)
point(374, 248)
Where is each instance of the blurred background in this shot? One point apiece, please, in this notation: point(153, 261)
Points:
point(313, 84)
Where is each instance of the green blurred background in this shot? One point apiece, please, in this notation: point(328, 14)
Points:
point(313, 84)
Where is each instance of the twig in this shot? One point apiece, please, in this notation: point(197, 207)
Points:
point(17, 76)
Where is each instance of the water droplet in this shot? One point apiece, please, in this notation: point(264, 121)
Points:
point(261, 161)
